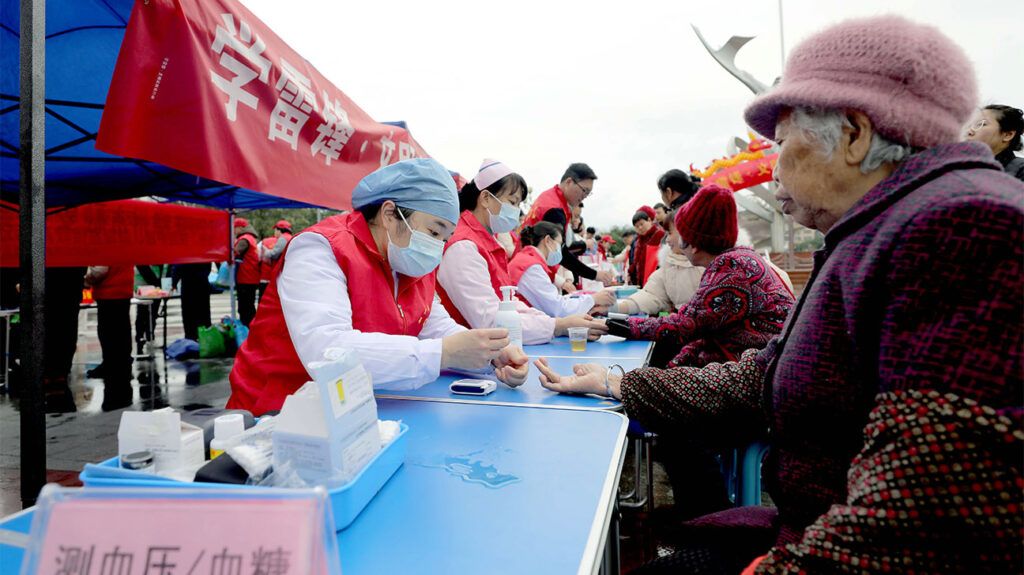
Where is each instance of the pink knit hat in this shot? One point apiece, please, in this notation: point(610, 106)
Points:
point(915, 84)
point(490, 171)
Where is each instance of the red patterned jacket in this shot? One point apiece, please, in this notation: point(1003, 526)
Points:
point(740, 304)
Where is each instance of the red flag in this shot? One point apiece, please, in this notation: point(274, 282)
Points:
point(205, 87)
point(124, 232)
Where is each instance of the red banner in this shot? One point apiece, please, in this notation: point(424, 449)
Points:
point(745, 174)
point(205, 87)
point(123, 232)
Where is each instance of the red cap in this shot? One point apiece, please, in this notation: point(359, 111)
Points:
point(708, 221)
point(283, 224)
point(241, 222)
point(649, 211)
point(607, 239)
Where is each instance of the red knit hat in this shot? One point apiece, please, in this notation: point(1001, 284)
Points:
point(708, 221)
point(649, 211)
point(241, 222)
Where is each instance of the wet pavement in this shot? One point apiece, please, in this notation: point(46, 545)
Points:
point(89, 434)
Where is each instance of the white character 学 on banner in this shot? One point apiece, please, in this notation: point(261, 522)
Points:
point(294, 106)
point(334, 133)
point(247, 45)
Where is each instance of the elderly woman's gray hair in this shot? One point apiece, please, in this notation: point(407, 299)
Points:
point(824, 128)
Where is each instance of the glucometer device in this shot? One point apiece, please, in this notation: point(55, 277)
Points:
point(473, 387)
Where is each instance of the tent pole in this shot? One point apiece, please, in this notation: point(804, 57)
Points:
point(231, 262)
point(32, 238)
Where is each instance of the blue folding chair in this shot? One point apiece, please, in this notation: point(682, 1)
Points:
point(642, 440)
point(742, 470)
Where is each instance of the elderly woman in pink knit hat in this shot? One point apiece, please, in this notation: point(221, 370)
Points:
point(894, 395)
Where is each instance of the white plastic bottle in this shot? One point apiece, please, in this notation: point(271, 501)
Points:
point(508, 317)
point(225, 427)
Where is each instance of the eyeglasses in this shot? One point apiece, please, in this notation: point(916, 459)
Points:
point(978, 125)
point(585, 191)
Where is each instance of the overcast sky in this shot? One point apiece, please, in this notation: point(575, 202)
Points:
point(627, 87)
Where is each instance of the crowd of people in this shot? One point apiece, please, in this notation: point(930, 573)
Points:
point(889, 392)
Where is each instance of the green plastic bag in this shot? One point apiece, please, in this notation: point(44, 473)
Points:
point(211, 342)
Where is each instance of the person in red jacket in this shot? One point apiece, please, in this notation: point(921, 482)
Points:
point(555, 205)
point(247, 272)
point(112, 288)
point(365, 281)
point(648, 240)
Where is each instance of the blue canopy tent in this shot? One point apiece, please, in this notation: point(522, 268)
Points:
point(82, 42)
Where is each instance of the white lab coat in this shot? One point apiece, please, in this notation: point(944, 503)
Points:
point(314, 299)
point(467, 281)
point(540, 291)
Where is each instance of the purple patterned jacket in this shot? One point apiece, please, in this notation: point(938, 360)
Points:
point(894, 395)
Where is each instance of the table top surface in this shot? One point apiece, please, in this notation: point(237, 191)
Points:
point(484, 489)
point(531, 393)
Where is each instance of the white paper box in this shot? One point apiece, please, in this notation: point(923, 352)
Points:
point(175, 445)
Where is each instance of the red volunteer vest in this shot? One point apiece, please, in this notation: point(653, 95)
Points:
point(119, 283)
point(249, 266)
point(267, 369)
point(646, 251)
point(528, 257)
point(492, 252)
point(552, 199)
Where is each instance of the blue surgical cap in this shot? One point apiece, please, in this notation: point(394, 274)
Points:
point(420, 184)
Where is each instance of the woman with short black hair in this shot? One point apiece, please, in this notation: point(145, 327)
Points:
point(999, 127)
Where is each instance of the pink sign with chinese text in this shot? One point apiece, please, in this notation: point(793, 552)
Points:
point(184, 536)
point(206, 88)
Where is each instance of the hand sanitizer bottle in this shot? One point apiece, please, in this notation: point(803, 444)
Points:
point(508, 317)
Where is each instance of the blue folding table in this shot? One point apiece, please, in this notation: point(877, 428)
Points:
point(484, 489)
point(531, 393)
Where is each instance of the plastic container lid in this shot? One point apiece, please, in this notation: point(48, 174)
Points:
point(137, 460)
point(228, 426)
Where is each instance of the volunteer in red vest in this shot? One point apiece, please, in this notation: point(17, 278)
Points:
point(270, 251)
point(648, 241)
point(247, 273)
point(365, 281)
point(474, 266)
point(555, 206)
point(112, 288)
point(532, 270)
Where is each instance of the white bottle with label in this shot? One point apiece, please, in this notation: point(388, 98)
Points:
point(508, 317)
point(225, 428)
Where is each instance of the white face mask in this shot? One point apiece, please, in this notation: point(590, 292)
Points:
point(555, 255)
point(506, 219)
point(420, 257)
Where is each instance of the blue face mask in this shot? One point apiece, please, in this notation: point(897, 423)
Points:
point(419, 258)
point(554, 256)
point(507, 218)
